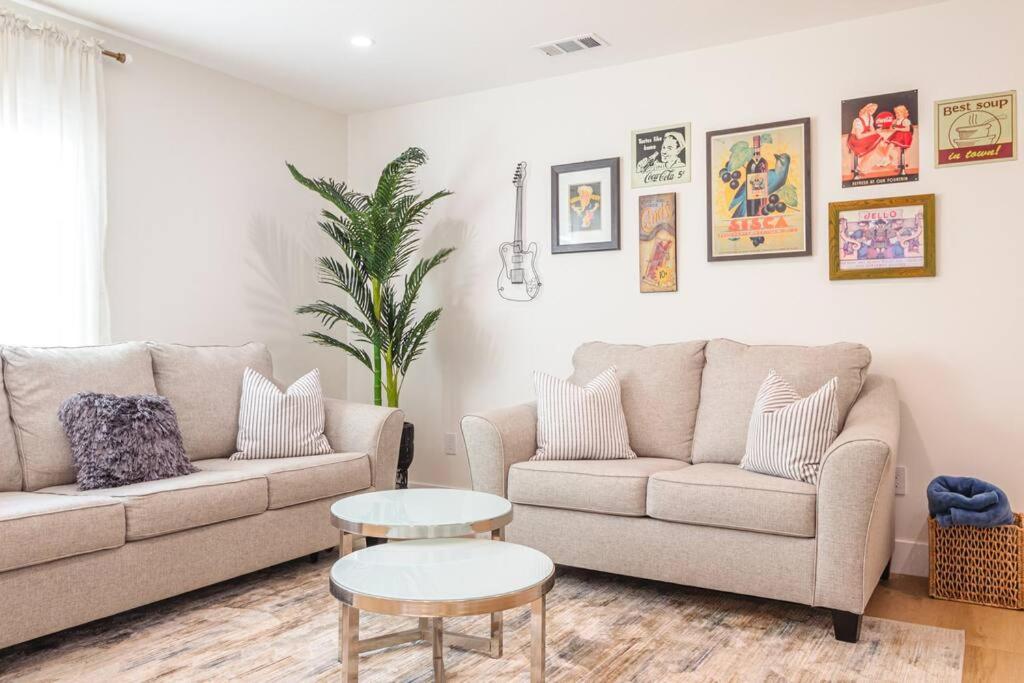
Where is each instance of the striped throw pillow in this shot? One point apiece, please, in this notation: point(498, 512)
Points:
point(581, 423)
point(788, 435)
point(280, 424)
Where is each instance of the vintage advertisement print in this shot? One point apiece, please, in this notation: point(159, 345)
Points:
point(876, 238)
point(880, 139)
point(759, 191)
point(969, 130)
point(658, 242)
point(585, 206)
point(660, 156)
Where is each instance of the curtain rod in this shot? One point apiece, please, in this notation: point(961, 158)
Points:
point(116, 56)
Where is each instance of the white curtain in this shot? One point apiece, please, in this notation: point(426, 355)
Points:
point(53, 209)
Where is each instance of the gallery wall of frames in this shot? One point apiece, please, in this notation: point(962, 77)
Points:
point(759, 193)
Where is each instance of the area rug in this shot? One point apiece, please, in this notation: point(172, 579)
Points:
point(280, 624)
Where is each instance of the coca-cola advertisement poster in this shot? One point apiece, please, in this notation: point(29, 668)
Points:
point(971, 130)
point(759, 191)
point(881, 141)
point(658, 242)
point(661, 156)
point(882, 238)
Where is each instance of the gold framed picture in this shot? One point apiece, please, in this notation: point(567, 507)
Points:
point(882, 238)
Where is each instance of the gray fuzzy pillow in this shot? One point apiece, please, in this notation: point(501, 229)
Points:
point(119, 440)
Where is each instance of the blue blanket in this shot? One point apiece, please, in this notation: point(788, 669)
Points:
point(968, 501)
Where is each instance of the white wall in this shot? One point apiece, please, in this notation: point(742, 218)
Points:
point(209, 239)
point(952, 343)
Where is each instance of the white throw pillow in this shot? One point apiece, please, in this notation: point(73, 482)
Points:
point(280, 424)
point(788, 435)
point(581, 423)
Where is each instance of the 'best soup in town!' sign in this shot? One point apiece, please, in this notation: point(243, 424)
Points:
point(969, 130)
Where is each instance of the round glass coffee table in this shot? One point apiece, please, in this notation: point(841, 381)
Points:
point(419, 513)
point(411, 514)
point(437, 578)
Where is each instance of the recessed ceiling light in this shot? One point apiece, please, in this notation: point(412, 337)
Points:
point(362, 41)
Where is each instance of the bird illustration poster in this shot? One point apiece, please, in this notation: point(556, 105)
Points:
point(969, 130)
point(658, 242)
point(880, 139)
point(890, 237)
point(759, 191)
point(661, 156)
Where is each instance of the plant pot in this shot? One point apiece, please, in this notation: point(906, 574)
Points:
point(405, 455)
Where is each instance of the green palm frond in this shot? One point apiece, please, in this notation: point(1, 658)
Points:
point(331, 314)
point(349, 279)
point(415, 340)
point(327, 340)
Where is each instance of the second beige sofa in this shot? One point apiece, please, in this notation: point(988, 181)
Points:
point(685, 512)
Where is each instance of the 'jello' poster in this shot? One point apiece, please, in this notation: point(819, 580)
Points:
point(969, 130)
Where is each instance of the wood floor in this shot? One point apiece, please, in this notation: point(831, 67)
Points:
point(995, 646)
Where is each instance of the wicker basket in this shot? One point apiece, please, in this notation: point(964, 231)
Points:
point(982, 566)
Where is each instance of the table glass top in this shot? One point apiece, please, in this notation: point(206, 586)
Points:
point(444, 569)
point(415, 512)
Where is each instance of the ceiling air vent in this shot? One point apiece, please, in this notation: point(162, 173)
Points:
point(587, 41)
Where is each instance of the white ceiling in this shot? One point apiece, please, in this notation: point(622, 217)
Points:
point(433, 48)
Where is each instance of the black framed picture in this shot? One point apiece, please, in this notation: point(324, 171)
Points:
point(759, 191)
point(585, 206)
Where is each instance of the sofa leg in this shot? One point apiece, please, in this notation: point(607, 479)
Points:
point(887, 570)
point(846, 626)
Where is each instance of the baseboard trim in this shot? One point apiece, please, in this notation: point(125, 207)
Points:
point(910, 557)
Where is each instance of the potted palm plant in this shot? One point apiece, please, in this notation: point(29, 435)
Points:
point(378, 235)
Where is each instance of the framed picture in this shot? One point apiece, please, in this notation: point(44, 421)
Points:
point(971, 130)
point(660, 156)
point(658, 242)
point(585, 206)
point(880, 139)
point(759, 191)
point(879, 238)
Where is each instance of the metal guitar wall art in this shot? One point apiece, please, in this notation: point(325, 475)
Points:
point(518, 279)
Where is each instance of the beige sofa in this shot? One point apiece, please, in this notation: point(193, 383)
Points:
point(684, 511)
point(70, 556)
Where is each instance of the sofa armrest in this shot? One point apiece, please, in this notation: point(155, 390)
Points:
point(364, 428)
point(495, 441)
point(856, 489)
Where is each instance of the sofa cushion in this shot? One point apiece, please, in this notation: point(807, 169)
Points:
point(276, 423)
point(121, 440)
point(301, 479)
point(39, 379)
point(660, 391)
point(39, 527)
point(10, 463)
point(155, 508)
point(722, 495)
point(733, 373)
point(613, 487)
point(789, 435)
point(204, 384)
point(581, 422)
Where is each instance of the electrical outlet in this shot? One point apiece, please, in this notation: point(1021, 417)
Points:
point(901, 480)
point(449, 444)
